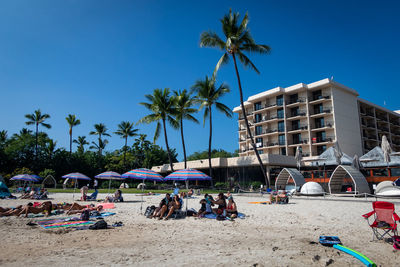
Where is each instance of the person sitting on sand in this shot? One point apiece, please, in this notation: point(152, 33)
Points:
point(42, 195)
point(183, 195)
point(205, 206)
point(190, 192)
point(175, 204)
point(164, 202)
point(116, 197)
point(84, 192)
point(221, 202)
point(29, 195)
point(277, 196)
point(231, 208)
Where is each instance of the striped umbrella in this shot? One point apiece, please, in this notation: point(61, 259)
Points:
point(109, 176)
point(37, 177)
point(188, 175)
point(24, 177)
point(143, 174)
point(76, 176)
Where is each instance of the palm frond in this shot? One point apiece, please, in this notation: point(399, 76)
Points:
point(174, 123)
point(46, 125)
point(211, 39)
point(246, 61)
point(224, 109)
point(191, 118)
point(222, 61)
point(256, 48)
point(157, 132)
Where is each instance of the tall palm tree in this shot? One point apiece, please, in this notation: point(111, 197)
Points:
point(100, 130)
point(208, 96)
point(3, 136)
point(72, 121)
point(81, 141)
point(184, 107)
point(162, 106)
point(125, 130)
point(237, 41)
point(37, 118)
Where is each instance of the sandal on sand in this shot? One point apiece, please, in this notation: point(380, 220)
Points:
point(166, 219)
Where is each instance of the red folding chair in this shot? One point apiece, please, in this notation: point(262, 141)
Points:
point(384, 219)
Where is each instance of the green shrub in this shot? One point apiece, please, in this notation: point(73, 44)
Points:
point(256, 185)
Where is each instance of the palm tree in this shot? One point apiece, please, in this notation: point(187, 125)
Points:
point(3, 136)
point(125, 130)
point(100, 146)
point(37, 118)
point(238, 41)
point(81, 141)
point(72, 121)
point(184, 104)
point(208, 96)
point(162, 106)
point(100, 130)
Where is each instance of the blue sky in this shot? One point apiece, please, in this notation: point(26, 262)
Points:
point(97, 59)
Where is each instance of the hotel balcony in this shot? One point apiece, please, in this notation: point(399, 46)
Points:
point(295, 102)
point(298, 115)
point(383, 129)
point(299, 142)
point(318, 99)
point(298, 129)
point(267, 107)
point(368, 125)
point(369, 136)
point(320, 140)
point(321, 113)
point(322, 126)
point(367, 114)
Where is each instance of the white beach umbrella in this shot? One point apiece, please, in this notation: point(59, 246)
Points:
point(386, 149)
point(298, 157)
point(338, 152)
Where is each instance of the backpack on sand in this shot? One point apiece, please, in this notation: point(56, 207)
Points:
point(149, 211)
point(85, 215)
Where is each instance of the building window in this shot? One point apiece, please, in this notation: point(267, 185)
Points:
point(257, 106)
point(395, 172)
point(296, 138)
point(318, 109)
point(294, 112)
point(380, 172)
point(280, 113)
point(317, 95)
point(257, 118)
point(281, 139)
point(279, 100)
point(258, 130)
point(283, 151)
point(259, 142)
point(296, 125)
point(281, 126)
point(321, 149)
point(321, 137)
point(293, 98)
point(319, 123)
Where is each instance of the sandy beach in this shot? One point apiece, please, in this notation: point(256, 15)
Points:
point(270, 235)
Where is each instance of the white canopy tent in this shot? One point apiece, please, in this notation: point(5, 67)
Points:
point(312, 189)
point(343, 172)
point(285, 175)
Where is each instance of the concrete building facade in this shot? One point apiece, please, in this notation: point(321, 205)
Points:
point(314, 116)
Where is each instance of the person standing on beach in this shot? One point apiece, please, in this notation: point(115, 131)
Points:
point(95, 184)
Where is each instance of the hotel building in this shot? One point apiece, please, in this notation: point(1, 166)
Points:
point(314, 116)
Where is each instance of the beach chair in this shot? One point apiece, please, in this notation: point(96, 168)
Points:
point(93, 196)
point(384, 219)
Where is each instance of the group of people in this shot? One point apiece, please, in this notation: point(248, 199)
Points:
point(33, 194)
point(223, 205)
point(46, 208)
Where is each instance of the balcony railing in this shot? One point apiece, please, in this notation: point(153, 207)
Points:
point(294, 101)
point(321, 97)
point(301, 127)
point(383, 129)
point(316, 140)
point(321, 111)
point(300, 113)
point(299, 142)
point(323, 125)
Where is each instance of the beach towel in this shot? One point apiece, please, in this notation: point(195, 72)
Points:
point(104, 214)
point(213, 216)
point(65, 224)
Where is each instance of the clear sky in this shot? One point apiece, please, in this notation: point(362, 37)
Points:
point(97, 59)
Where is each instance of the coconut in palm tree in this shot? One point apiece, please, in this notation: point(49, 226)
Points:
point(184, 107)
point(72, 121)
point(208, 96)
point(37, 118)
point(238, 40)
point(163, 109)
point(125, 130)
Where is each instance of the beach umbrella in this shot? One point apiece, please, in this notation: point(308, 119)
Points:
point(24, 177)
point(356, 162)
point(187, 175)
point(76, 176)
point(109, 176)
point(386, 149)
point(338, 152)
point(37, 177)
point(298, 156)
point(144, 175)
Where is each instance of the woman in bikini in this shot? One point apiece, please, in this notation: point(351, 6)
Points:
point(231, 209)
point(45, 207)
point(221, 202)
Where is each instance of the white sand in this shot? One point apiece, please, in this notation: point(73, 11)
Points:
point(271, 235)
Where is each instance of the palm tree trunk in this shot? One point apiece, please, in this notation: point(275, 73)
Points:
point(70, 141)
point(36, 142)
point(166, 144)
point(247, 123)
point(126, 142)
point(209, 148)
point(183, 143)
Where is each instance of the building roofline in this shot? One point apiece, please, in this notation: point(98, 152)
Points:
point(395, 113)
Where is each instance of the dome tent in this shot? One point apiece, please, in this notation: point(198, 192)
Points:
point(312, 189)
point(386, 188)
point(4, 192)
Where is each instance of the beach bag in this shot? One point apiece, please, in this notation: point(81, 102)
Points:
point(99, 225)
point(190, 213)
point(329, 241)
point(85, 215)
point(149, 211)
point(220, 218)
point(95, 213)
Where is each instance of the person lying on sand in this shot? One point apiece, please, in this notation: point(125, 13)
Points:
point(164, 202)
point(45, 207)
point(175, 204)
point(221, 202)
point(12, 211)
point(76, 208)
point(231, 208)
